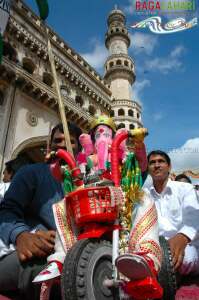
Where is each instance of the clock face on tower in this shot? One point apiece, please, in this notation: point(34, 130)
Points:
point(118, 47)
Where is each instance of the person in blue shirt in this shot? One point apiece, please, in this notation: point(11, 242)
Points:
point(27, 222)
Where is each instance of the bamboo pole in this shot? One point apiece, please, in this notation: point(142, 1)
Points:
point(59, 97)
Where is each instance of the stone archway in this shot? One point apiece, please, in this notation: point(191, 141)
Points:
point(32, 150)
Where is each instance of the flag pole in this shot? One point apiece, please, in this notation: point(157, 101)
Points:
point(59, 97)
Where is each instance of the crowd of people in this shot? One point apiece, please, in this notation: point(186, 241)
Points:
point(28, 230)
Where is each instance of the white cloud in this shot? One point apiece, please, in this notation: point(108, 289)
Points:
point(157, 116)
point(143, 42)
point(165, 64)
point(138, 88)
point(177, 51)
point(96, 58)
point(129, 9)
point(183, 158)
point(186, 157)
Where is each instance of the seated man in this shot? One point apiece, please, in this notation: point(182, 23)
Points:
point(178, 211)
point(11, 167)
point(27, 207)
point(183, 178)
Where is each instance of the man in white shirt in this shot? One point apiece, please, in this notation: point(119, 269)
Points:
point(178, 213)
point(8, 173)
point(4, 250)
point(11, 167)
point(3, 188)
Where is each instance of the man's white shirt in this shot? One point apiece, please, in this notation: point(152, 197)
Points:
point(4, 249)
point(178, 210)
point(3, 188)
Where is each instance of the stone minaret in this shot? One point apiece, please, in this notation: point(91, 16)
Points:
point(120, 72)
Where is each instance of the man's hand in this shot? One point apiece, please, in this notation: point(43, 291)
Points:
point(39, 244)
point(49, 236)
point(177, 245)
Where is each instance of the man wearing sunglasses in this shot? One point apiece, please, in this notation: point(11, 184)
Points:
point(27, 222)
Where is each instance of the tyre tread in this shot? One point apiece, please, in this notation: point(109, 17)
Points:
point(73, 284)
point(167, 276)
point(70, 267)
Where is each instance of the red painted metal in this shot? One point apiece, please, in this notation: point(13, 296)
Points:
point(115, 170)
point(92, 205)
point(190, 292)
point(94, 231)
point(75, 171)
point(4, 298)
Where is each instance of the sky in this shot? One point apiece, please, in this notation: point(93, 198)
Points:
point(167, 71)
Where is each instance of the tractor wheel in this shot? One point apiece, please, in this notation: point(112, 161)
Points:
point(167, 275)
point(87, 265)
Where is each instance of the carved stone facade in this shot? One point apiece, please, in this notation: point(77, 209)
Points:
point(28, 104)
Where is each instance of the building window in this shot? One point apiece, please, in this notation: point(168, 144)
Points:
point(111, 64)
point(92, 110)
point(121, 112)
point(48, 79)
point(138, 115)
point(9, 51)
point(118, 62)
point(131, 126)
point(130, 112)
point(112, 113)
point(126, 63)
point(79, 100)
point(1, 98)
point(121, 125)
point(29, 64)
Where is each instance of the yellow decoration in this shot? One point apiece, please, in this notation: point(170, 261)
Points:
point(103, 120)
point(139, 133)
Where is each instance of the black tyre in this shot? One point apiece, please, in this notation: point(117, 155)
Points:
point(87, 265)
point(167, 276)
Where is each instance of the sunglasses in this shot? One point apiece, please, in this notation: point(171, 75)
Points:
point(60, 140)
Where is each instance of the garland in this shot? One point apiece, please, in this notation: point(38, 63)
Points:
point(131, 184)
